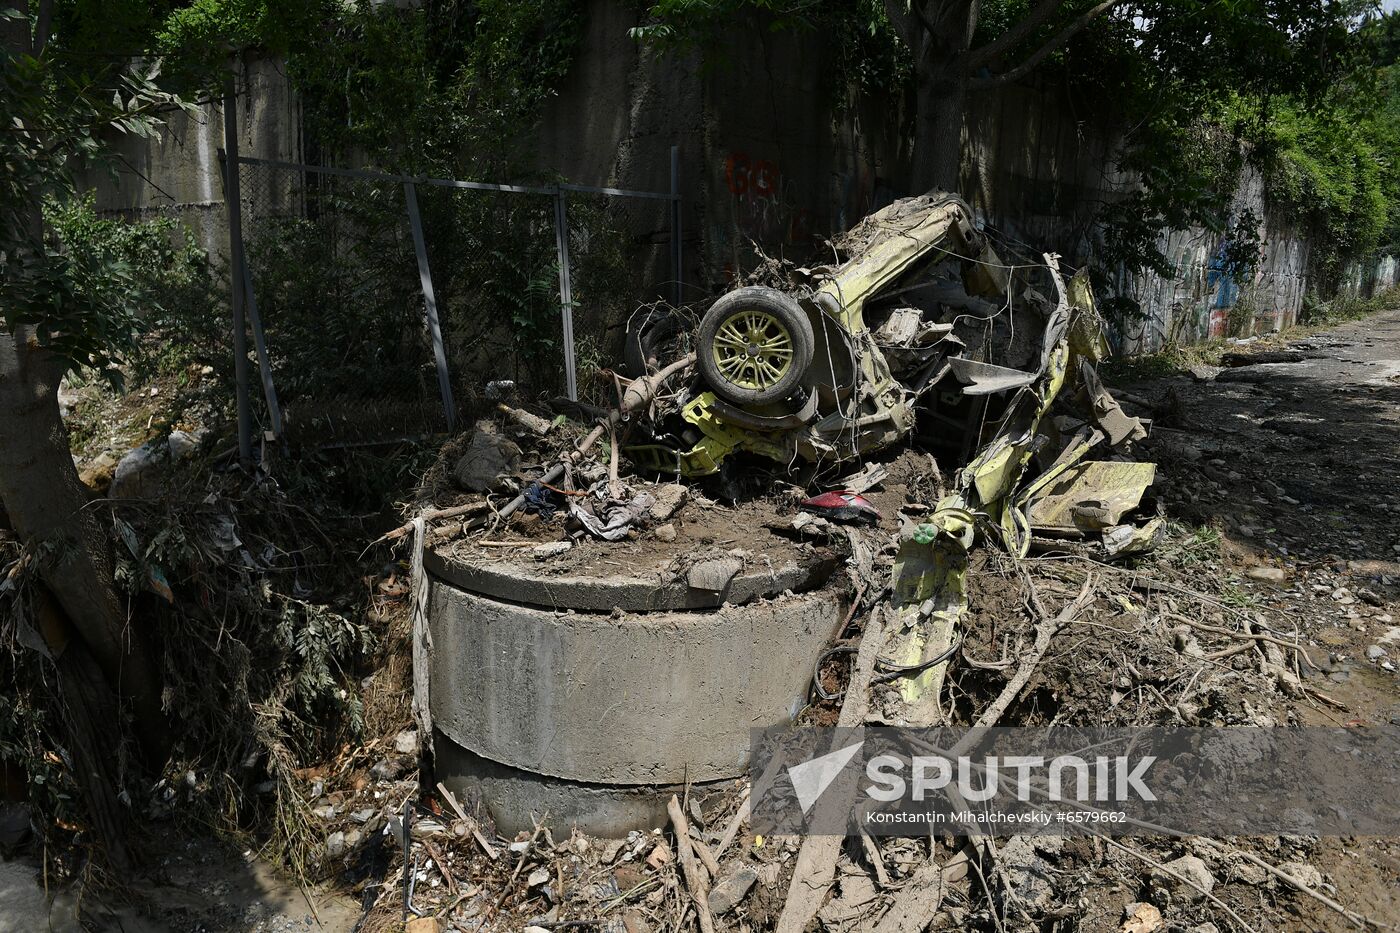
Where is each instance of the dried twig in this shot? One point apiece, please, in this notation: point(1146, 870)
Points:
point(1359, 919)
point(694, 880)
point(816, 860)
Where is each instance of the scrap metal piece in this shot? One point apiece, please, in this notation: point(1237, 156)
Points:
point(1090, 497)
point(988, 378)
point(1117, 424)
point(1124, 540)
point(929, 590)
point(842, 506)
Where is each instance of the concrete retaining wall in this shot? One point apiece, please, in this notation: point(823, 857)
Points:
point(772, 153)
point(620, 699)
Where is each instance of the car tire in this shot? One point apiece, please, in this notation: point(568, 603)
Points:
point(754, 346)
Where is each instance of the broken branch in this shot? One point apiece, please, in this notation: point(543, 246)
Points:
point(694, 880)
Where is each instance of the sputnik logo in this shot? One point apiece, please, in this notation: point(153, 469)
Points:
point(811, 778)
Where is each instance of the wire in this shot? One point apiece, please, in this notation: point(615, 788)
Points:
point(890, 670)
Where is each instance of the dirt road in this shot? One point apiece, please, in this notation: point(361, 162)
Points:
point(1297, 464)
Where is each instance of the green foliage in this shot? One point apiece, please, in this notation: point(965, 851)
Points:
point(163, 282)
point(867, 56)
point(692, 22)
point(440, 90)
point(201, 35)
point(1342, 308)
point(83, 299)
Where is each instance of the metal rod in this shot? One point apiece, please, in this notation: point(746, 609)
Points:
point(676, 267)
point(430, 302)
point(232, 200)
point(274, 410)
point(451, 182)
point(566, 292)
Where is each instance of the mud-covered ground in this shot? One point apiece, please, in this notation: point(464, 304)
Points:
point(1278, 481)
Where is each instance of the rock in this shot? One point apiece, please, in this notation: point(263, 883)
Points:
point(732, 889)
point(538, 877)
point(183, 444)
point(1374, 653)
point(660, 855)
point(335, 845)
point(137, 475)
point(430, 925)
point(1204, 928)
point(665, 532)
point(98, 474)
point(667, 498)
point(713, 575)
point(1029, 874)
point(1303, 873)
point(352, 838)
point(406, 742)
point(1267, 574)
point(487, 458)
point(1141, 917)
point(362, 816)
point(385, 770)
point(1194, 870)
point(1186, 642)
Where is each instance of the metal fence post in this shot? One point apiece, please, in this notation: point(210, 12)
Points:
point(676, 258)
point(566, 292)
point(274, 409)
point(233, 203)
point(430, 302)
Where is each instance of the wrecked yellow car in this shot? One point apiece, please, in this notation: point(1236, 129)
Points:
point(916, 329)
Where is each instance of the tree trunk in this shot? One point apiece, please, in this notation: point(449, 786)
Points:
point(48, 510)
point(98, 658)
point(94, 747)
point(939, 40)
point(938, 130)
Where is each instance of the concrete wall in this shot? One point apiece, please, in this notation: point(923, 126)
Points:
point(179, 174)
point(773, 154)
point(1365, 279)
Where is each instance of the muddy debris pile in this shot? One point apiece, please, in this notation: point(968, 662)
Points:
point(926, 422)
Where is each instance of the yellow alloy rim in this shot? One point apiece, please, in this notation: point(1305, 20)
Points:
point(753, 349)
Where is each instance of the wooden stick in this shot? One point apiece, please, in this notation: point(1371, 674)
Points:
point(1044, 632)
point(711, 865)
point(815, 870)
point(694, 880)
point(1158, 866)
point(430, 516)
point(1242, 636)
point(447, 878)
point(452, 802)
point(1324, 900)
point(732, 830)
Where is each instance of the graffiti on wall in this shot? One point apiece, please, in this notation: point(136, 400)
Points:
point(766, 206)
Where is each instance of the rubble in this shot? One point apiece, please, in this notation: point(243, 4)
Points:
point(487, 460)
point(1033, 520)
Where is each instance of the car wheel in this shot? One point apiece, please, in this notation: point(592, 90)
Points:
point(754, 346)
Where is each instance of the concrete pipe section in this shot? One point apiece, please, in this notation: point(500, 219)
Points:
point(591, 697)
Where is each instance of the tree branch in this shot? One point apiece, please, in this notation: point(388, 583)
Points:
point(1039, 55)
point(1015, 35)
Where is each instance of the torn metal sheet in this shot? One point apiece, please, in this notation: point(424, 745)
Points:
point(1125, 540)
point(929, 587)
point(986, 378)
point(1090, 496)
point(616, 517)
point(1117, 424)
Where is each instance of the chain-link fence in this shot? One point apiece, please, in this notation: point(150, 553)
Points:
point(385, 306)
